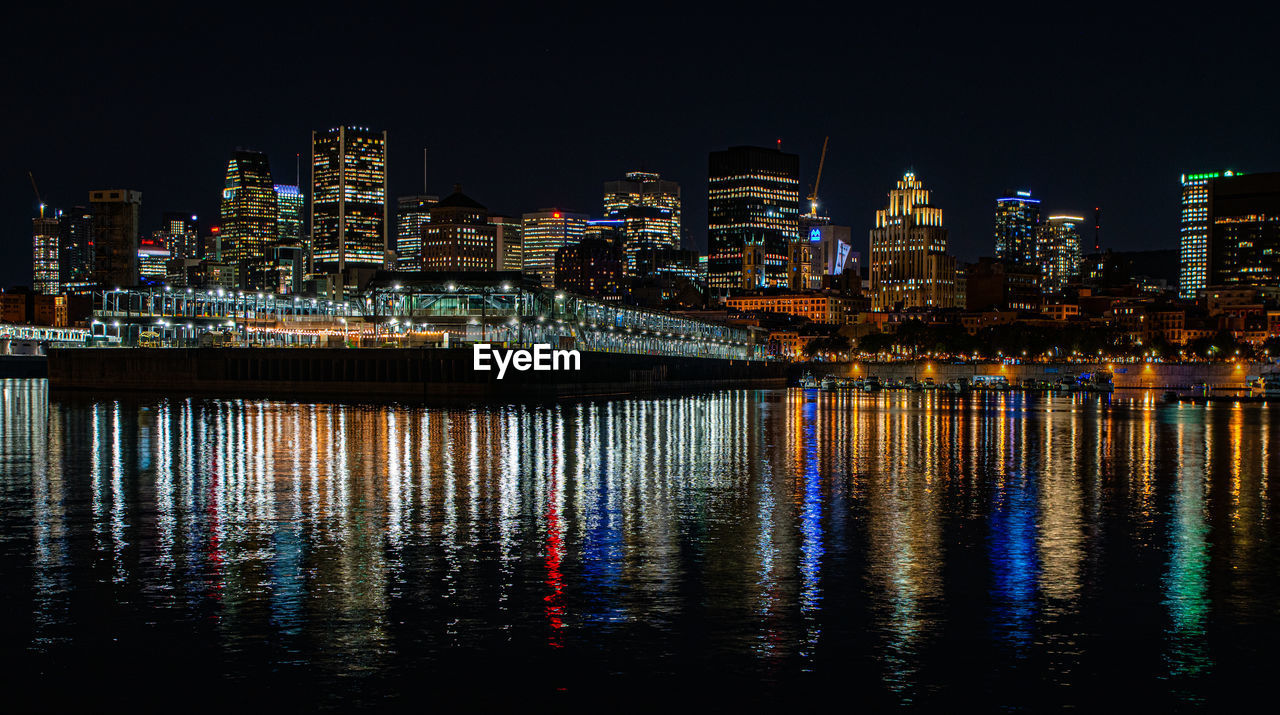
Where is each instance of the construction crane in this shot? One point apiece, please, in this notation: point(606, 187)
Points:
point(813, 196)
point(37, 190)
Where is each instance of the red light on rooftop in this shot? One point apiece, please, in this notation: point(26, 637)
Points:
point(555, 215)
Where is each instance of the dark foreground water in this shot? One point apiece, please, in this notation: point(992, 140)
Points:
point(743, 547)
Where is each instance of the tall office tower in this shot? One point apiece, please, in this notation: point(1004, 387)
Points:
point(181, 234)
point(75, 250)
point(910, 267)
point(1059, 252)
point(753, 209)
point(650, 210)
point(117, 215)
point(1017, 221)
point(412, 213)
point(509, 242)
point(1244, 230)
point(1193, 232)
point(459, 236)
point(249, 214)
point(44, 258)
point(348, 199)
point(290, 203)
point(545, 232)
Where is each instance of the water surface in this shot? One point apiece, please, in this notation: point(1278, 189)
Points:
point(912, 549)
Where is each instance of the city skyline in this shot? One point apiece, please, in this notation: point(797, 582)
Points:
point(1122, 147)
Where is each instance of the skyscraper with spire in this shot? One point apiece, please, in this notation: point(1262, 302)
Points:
point(910, 267)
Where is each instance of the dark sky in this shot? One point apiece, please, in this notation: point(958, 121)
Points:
point(1084, 106)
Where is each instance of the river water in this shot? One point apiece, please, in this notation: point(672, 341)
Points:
point(746, 547)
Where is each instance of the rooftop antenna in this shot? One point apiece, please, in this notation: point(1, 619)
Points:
point(424, 170)
point(779, 144)
point(297, 170)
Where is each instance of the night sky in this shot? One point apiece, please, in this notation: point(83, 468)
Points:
point(1082, 106)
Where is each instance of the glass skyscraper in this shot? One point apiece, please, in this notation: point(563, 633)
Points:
point(44, 264)
point(291, 202)
point(348, 199)
point(249, 214)
point(1017, 222)
point(412, 213)
point(1059, 252)
point(75, 250)
point(546, 232)
point(1193, 232)
point(650, 210)
point(753, 210)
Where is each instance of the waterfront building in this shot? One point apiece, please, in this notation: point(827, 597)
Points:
point(45, 231)
point(753, 209)
point(181, 234)
point(650, 210)
point(249, 213)
point(458, 236)
point(828, 308)
point(348, 200)
point(1058, 251)
point(508, 242)
point(412, 213)
point(1244, 230)
point(910, 267)
point(75, 250)
point(546, 231)
point(1016, 231)
point(117, 215)
point(592, 267)
point(1193, 232)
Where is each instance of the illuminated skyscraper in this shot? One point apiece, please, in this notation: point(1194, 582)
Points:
point(153, 258)
point(1193, 232)
point(910, 267)
point(753, 207)
point(412, 213)
point(509, 246)
point(117, 217)
point(290, 202)
point(249, 215)
point(459, 236)
point(44, 263)
point(348, 199)
point(650, 210)
point(1059, 252)
point(1017, 219)
point(1244, 230)
point(546, 232)
point(181, 233)
point(75, 250)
